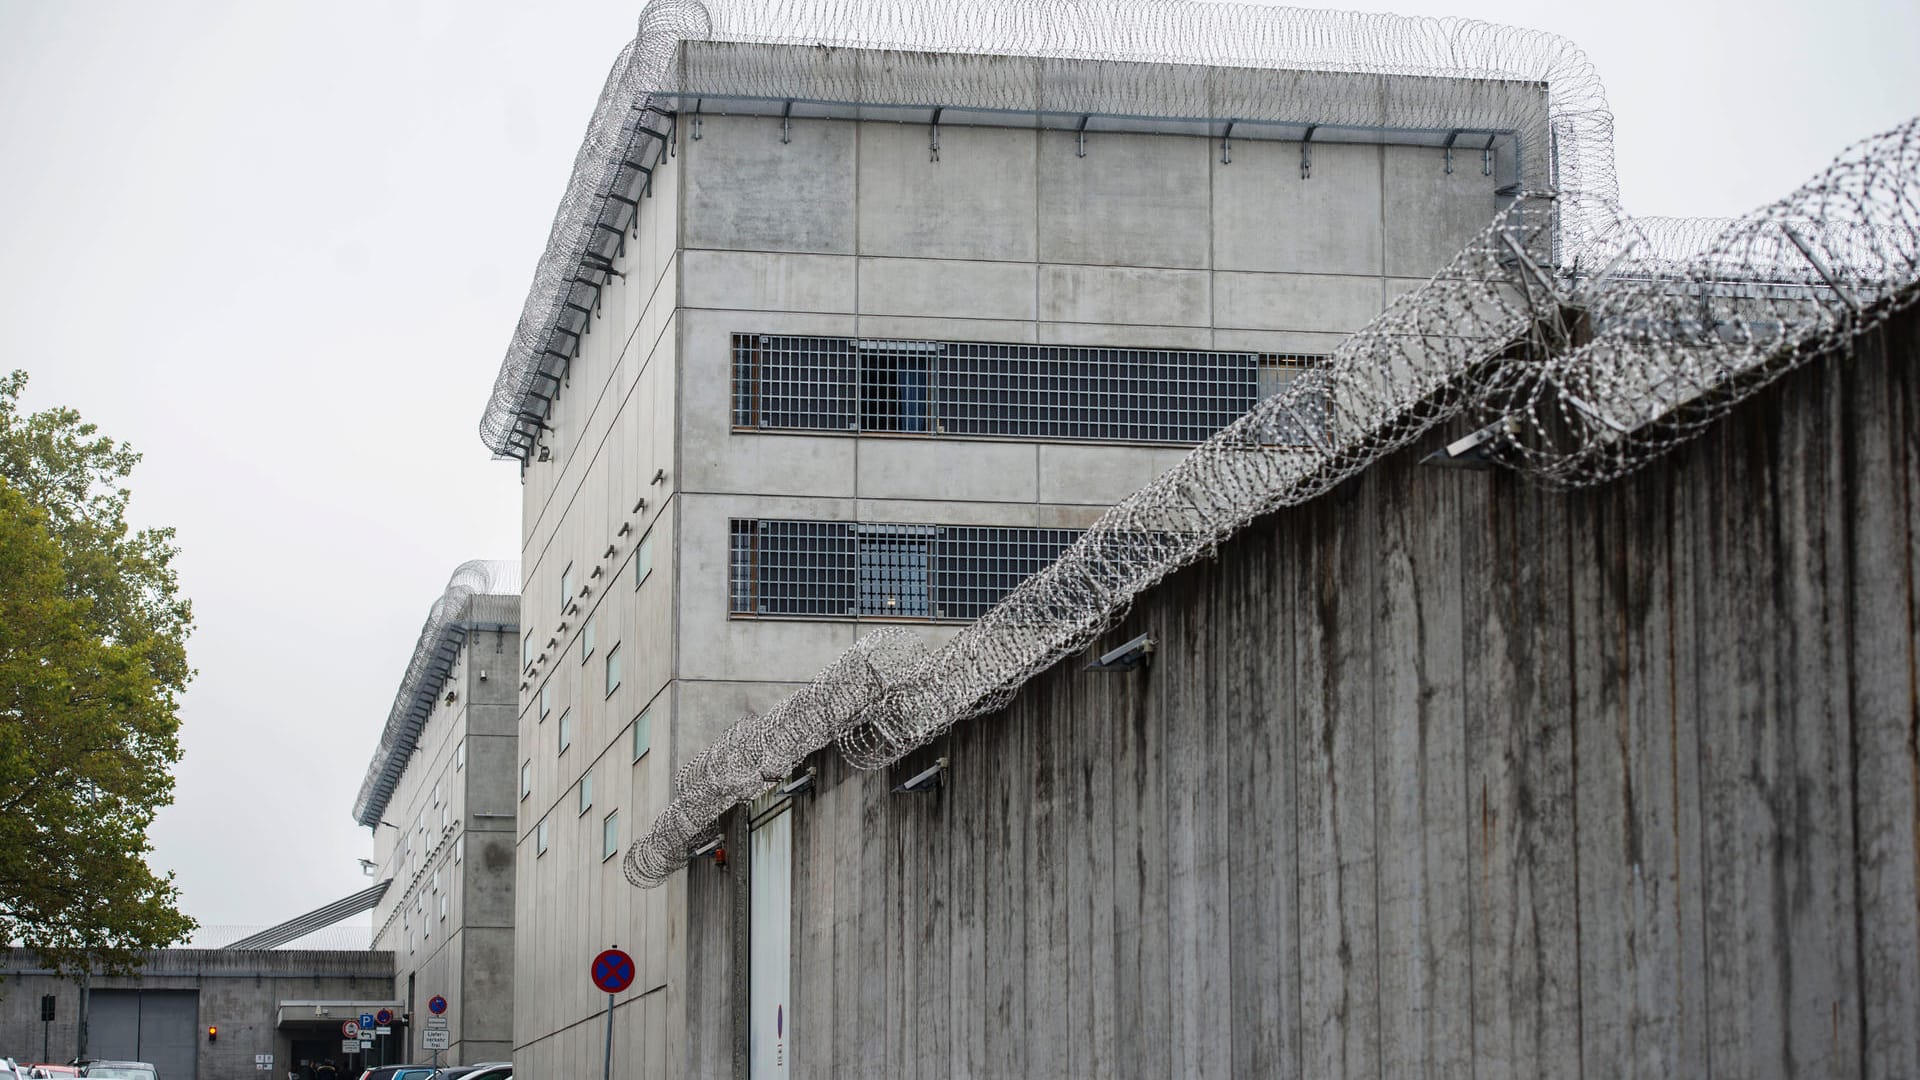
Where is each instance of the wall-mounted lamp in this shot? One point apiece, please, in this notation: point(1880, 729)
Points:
point(1133, 654)
point(924, 783)
point(799, 785)
point(1474, 451)
point(659, 475)
point(367, 867)
point(715, 849)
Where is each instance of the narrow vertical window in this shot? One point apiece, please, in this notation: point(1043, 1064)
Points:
point(613, 669)
point(566, 587)
point(526, 650)
point(610, 836)
point(587, 633)
point(526, 779)
point(586, 792)
point(460, 755)
point(540, 837)
point(566, 729)
point(643, 560)
point(642, 734)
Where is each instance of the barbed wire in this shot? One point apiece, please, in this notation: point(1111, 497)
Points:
point(1156, 58)
point(479, 577)
point(1582, 366)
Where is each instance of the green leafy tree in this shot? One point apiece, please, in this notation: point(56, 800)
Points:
point(92, 662)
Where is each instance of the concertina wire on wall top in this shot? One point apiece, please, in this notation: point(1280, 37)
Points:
point(1580, 370)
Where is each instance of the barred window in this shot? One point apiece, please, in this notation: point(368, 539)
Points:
point(999, 391)
point(846, 570)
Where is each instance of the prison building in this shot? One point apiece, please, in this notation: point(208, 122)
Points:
point(835, 338)
point(438, 798)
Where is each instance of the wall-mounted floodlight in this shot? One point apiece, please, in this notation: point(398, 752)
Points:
point(1473, 451)
point(799, 785)
point(924, 783)
point(1133, 654)
point(367, 867)
point(714, 849)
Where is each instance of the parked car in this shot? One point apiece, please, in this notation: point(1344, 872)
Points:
point(486, 1070)
point(120, 1070)
point(400, 1072)
point(47, 1070)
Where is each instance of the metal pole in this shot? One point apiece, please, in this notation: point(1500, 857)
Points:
point(86, 999)
point(606, 1073)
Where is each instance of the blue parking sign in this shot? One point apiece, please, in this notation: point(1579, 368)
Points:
point(366, 1021)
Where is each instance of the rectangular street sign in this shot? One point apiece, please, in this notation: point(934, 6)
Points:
point(349, 1046)
point(383, 1030)
point(366, 1042)
point(434, 1040)
point(436, 1023)
point(263, 1061)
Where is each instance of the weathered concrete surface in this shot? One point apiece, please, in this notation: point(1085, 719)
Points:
point(1441, 774)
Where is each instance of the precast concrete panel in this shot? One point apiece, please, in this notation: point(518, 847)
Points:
point(973, 198)
point(1266, 217)
point(753, 185)
point(1128, 200)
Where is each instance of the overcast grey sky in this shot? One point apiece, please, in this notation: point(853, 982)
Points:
point(279, 247)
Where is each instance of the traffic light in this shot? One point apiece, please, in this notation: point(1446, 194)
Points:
point(213, 1033)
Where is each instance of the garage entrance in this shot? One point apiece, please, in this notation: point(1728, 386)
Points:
point(155, 1026)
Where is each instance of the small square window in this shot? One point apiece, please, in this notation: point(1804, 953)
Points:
point(459, 847)
point(613, 669)
point(642, 734)
point(526, 779)
point(566, 586)
point(610, 836)
point(566, 730)
point(586, 637)
point(643, 560)
point(460, 755)
point(546, 698)
point(540, 838)
point(586, 792)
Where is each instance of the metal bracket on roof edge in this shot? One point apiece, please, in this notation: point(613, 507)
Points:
point(786, 122)
point(1306, 152)
point(933, 136)
point(1451, 135)
point(1226, 145)
point(1080, 150)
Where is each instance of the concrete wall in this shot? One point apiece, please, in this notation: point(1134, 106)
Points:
point(1440, 774)
point(238, 991)
point(448, 916)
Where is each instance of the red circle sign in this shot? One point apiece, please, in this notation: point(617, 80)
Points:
point(612, 971)
point(436, 1004)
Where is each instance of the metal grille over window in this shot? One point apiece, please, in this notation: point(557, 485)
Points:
point(840, 569)
point(972, 389)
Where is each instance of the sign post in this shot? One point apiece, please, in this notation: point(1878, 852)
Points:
point(46, 1024)
point(612, 971)
point(435, 1037)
